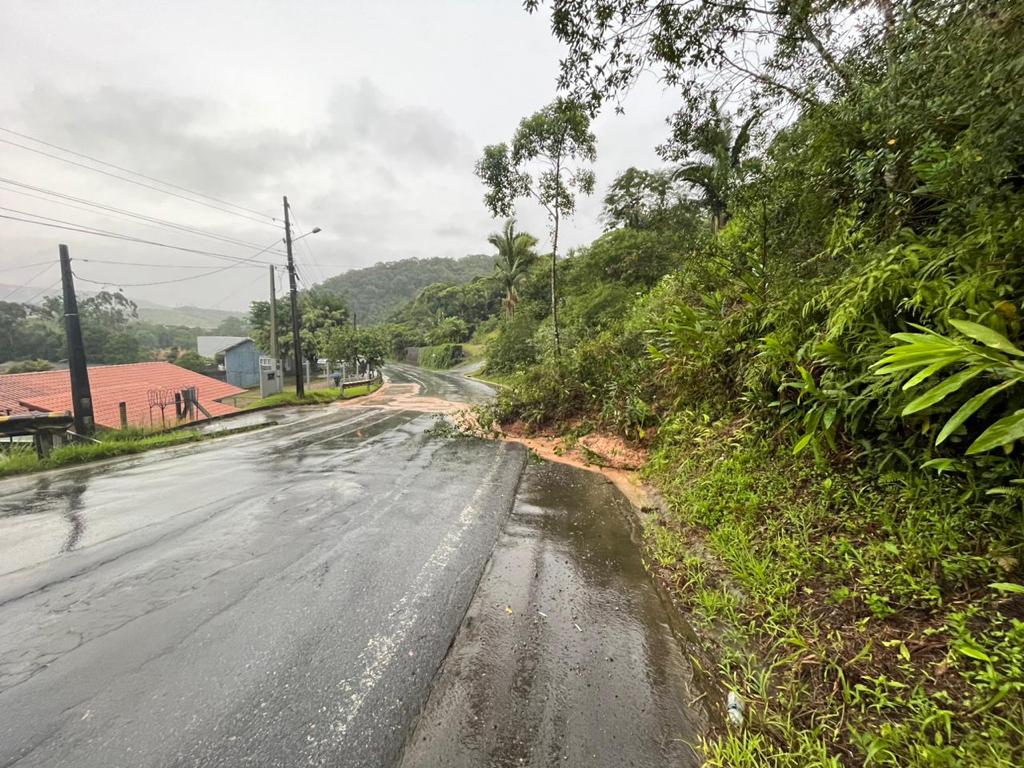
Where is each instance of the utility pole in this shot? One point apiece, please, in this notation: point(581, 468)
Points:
point(273, 318)
point(81, 395)
point(300, 390)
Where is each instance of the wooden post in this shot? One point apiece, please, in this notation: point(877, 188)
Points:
point(81, 396)
point(122, 409)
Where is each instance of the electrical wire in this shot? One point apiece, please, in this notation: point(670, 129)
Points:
point(27, 283)
point(45, 290)
point(247, 285)
point(155, 282)
point(29, 266)
point(305, 242)
point(135, 173)
point(155, 221)
point(260, 265)
point(271, 223)
point(74, 227)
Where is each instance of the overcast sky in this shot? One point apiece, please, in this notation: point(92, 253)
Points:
point(369, 116)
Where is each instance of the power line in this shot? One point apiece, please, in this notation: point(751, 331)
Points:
point(155, 221)
point(235, 292)
point(259, 265)
point(139, 183)
point(305, 242)
point(74, 227)
point(29, 266)
point(155, 282)
point(28, 283)
point(45, 290)
point(135, 173)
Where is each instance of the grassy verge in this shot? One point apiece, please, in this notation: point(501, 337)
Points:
point(495, 379)
point(360, 391)
point(312, 397)
point(111, 444)
point(864, 619)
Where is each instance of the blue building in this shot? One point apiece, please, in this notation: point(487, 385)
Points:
point(241, 358)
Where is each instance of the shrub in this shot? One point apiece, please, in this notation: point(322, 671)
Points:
point(441, 356)
point(29, 366)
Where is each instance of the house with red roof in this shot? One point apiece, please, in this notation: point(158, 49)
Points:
point(137, 385)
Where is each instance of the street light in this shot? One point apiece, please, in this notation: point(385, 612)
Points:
point(311, 232)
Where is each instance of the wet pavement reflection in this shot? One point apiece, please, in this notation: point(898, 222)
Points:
point(568, 654)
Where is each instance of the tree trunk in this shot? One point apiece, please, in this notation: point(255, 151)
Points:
point(554, 291)
point(554, 264)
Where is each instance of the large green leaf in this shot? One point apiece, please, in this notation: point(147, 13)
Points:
point(943, 390)
point(894, 363)
point(969, 408)
point(927, 371)
point(1003, 432)
point(986, 336)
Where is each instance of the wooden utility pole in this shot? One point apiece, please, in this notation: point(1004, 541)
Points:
point(300, 390)
point(273, 318)
point(81, 395)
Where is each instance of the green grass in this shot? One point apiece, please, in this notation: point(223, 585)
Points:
point(855, 613)
point(495, 379)
point(360, 391)
point(110, 444)
point(312, 396)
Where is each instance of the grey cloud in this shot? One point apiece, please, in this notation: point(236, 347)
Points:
point(121, 126)
point(362, 116)
point(455, 231)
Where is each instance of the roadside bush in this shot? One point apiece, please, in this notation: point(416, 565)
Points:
point(29, 366)
point(441, 356)
point(513, 348)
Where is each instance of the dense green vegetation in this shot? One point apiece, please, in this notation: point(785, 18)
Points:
point(209, 321)
point(375, 293)
point(811, 319)
point(441, 356)
point(111, 329)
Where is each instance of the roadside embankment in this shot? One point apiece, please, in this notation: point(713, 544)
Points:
point(857, 617)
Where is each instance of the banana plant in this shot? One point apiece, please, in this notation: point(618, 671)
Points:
point(983, 352)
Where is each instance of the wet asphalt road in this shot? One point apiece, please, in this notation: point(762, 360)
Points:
point(278, 598)
point(568, 655)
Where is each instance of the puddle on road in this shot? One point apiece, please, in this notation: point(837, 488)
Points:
point(569, 654)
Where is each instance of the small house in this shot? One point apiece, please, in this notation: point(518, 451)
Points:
point(241, 358)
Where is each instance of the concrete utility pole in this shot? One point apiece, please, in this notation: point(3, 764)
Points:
point(81, 395)
point(300, 390)
point(273, 317)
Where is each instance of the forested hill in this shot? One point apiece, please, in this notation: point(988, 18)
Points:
point(376, 292)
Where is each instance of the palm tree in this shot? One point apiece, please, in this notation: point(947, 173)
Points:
point(720, 170)
point(515, 255)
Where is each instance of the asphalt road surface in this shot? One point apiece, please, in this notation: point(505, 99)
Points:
point(287, 597)
point(277, 598)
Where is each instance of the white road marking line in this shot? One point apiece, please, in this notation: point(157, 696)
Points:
point(381, 649)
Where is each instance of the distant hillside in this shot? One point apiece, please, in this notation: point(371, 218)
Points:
point(193, 317)
point(377, 292)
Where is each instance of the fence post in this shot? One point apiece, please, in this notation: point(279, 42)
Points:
point(122, 409)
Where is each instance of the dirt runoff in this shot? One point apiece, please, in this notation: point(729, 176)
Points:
point(404, 397)
point(606, 454)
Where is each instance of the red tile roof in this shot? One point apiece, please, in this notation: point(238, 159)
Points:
point(50, 391)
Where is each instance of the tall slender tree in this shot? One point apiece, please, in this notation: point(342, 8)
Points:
point(515, 255)
point(714, 159)
point(548, 162)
